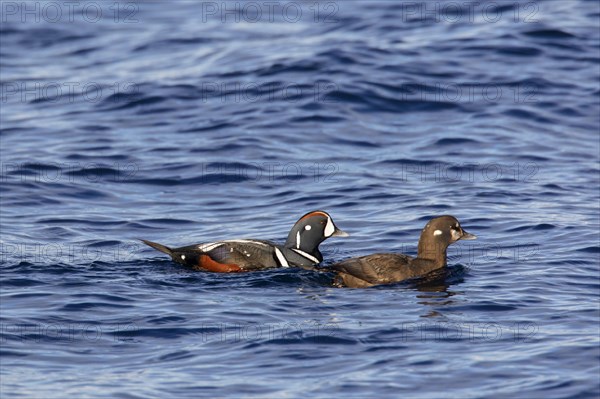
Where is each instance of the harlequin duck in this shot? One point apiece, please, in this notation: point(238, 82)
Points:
point(300, 249)
point(370, 270)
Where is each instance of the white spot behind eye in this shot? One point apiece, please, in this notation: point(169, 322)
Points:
point(307, 227)
point(437, 232)
point(183, 257)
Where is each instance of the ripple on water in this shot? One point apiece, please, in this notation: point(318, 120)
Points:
point(383, 116)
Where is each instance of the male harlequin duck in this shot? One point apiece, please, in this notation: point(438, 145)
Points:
point(370, 270)
point(300, 249)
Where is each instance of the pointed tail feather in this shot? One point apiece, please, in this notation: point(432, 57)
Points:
point(158, 247)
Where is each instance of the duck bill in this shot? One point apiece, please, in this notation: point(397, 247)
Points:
point(468, 236)
point(339, 233)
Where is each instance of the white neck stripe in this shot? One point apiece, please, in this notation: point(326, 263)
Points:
point(282, 260)
point(305, 255)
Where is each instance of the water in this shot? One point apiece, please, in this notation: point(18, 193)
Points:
point(163, 122)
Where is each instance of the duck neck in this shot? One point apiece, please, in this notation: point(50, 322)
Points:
point(434, 252)
point(306, 245)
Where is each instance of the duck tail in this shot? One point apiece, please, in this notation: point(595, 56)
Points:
point(158, 247)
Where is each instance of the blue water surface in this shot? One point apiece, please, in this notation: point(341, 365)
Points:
point(185, 122)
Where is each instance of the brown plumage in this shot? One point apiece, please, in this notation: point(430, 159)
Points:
point(387, 268)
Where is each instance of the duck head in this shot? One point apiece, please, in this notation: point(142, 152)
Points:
point(438, 235)
point(311, 230)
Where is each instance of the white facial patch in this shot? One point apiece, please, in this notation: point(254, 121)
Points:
point(307, 227)
point(437, 233)
point(298, 240)
point(455, 234)
point(329, 228)
point(183, 257)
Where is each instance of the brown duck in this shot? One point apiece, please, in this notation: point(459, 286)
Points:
point(376, 269)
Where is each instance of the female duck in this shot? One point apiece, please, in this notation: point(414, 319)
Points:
point(370, 270)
